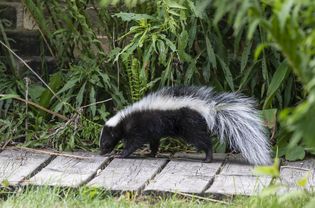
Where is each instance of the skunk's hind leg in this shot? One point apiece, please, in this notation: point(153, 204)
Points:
point(193, 128)
point(154, 147)
point(209, 155)
point(204, 143)
point(201, 140)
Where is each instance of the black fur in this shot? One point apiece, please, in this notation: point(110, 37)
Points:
point(148, 127)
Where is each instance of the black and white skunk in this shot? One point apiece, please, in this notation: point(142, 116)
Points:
point(193, 114)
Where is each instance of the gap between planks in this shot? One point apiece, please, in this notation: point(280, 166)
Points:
point(236, 178)
point(18, 165)
point(216, 174)
point(128, 174)
point(38, 169)
point(99, 170)
point(186, 173)
point(72, 172)
point(141, 189)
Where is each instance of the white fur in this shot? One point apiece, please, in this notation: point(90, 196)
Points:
point(159, 102)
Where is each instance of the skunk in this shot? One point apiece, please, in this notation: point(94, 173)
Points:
point(194, 114)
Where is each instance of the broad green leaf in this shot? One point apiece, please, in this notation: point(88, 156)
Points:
point(265, 70)
point(79, 97)
point(92, 100)
point(190, 72)
point(276, 81)
point(247, 75)
point(192, 31)
point(182, 41)
point(227, 73)
point(200, 8)
point(147, 54)
point(245, 54)
point(8, 96)
point(252, 28)
point(105, 78)
point(59, 105)
point(127, 50)
point(221, 10)
point(272, 170)
point(162, 51)
point(270, 117)
point(173, 13)
point(70, 84)
point(132, 16)
point(266, 170)
point(55, 83)
point(210, 52)
point(259, 49)
point(241, 15)
point(169, 43)
point(283, 15)
point(174, 4)
point(288, 95)
point(296, 153)
point(35, 91)
point(220, 147)
point(105, 3)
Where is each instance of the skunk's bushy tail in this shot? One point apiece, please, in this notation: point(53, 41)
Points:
point(232, 117)
point(237, 120)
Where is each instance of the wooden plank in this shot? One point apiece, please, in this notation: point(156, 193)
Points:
point(291, 172)
point(128, 174)
point(237, 165)
point(185, 176)
point(67, 171)
point(16, 165)
point(191, 156)
point(238, 185)
point(237, 177)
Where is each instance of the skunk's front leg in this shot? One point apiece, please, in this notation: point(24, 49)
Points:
point(131, 145)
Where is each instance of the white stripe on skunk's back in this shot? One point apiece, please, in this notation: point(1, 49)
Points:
point(156, 101)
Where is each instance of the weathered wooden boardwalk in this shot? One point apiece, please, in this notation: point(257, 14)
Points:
point(184, 173)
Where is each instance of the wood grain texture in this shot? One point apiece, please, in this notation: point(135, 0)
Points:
point(16, 165)
point(197, 156)
point(237, 165)
point(237, 177)
point(184, 176)
point(238, 185)
point(127, 174)
point(236, 168)
point(291, 172)
point(66, 171)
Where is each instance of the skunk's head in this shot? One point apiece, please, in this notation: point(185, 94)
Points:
point(108, 140)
